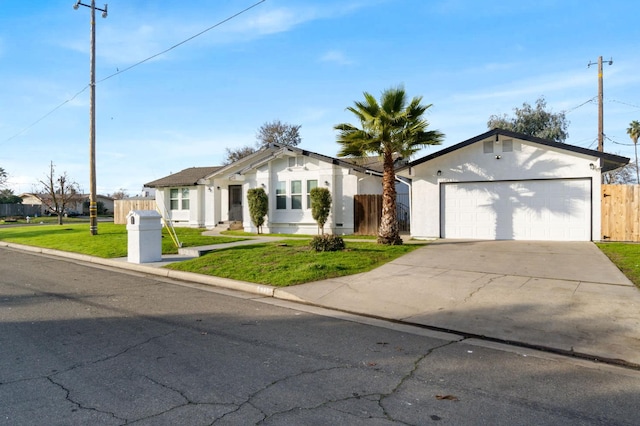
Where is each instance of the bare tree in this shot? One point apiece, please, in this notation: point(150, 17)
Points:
point(273, 132)
point(120, 194)
point(280, 133)
point(233, 155)
point(58, 192)
point(623, 176)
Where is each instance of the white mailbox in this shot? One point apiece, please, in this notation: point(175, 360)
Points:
point(144, 236)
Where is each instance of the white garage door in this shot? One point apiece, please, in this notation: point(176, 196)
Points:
point(557, 210)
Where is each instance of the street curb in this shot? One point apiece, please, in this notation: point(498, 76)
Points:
point(259, 289)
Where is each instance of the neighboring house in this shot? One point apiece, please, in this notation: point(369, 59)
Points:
point(208, 196)
point(181, 197)
point(75, 206)
point(508, 186)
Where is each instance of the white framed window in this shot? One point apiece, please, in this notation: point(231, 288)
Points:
point(179, 198)
point(184, 198)
point(312, 183)
point(281, 195)
point(297, 161)
point(296, 194)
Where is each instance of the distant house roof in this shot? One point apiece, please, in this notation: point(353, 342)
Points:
point(186, 177)
point(609, 161)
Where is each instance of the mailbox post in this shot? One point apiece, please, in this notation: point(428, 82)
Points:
point(144, 236)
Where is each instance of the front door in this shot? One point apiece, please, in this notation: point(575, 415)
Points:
point(235, 203)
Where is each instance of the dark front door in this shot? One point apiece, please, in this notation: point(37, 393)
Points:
point(235, 203)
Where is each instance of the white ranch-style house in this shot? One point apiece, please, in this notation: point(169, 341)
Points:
point(497, 185)
point(208, 196)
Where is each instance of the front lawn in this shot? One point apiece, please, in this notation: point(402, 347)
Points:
point(626, 257)
point(289, 262)
point(110, 242)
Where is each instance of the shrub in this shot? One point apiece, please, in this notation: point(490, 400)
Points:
point(327, 243)
point(320, 206)
point(258, 206)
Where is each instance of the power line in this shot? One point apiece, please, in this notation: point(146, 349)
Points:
point(619, 143)
point(581, 105)
point(133, 66)
point(47, 114)
point(183, 41)
point(624, 103)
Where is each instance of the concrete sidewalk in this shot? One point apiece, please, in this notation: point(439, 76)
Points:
point(567, 297)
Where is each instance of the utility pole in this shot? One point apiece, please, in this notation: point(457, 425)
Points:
point(600, 102)
point(93, 204)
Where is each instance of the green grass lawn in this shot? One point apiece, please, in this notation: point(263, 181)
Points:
point(250, 234)
point(291, 262)
point(110, 242)
point(626, 256)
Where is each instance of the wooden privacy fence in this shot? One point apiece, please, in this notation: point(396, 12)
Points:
point(367, 212)
point(621, 213)
point(122, 207)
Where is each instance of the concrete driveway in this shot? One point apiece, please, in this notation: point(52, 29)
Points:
point(566, 296)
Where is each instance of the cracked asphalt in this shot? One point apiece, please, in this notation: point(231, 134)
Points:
point(81, 344)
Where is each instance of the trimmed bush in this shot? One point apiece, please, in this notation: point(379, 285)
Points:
point(327, 242)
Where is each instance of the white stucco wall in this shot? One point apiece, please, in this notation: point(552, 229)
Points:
point(342, 182)
point(470, 164)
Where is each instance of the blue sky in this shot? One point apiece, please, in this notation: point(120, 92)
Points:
point(302, 62)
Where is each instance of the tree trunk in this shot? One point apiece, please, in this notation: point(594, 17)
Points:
point(388, 232)
point(59, 218)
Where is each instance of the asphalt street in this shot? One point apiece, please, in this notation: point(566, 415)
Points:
point(83, 344)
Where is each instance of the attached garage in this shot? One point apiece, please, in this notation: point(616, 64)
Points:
point(508, 186)
point(551, 209)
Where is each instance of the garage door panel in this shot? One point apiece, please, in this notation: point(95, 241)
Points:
point(521, 210)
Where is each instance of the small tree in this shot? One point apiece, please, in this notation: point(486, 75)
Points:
point(320, 206)
point(258, 206)
point(57, 193)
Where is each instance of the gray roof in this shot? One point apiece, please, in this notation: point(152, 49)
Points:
point(186, 177)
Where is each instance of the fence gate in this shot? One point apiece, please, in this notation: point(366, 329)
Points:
point(620, 213)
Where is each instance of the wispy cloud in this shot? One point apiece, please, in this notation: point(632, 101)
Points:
point(337, 57)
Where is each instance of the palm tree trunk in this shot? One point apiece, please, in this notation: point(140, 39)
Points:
point(388, 233)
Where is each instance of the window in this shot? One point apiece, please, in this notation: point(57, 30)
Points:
point(488, 147)
point(174, 199)
point(297, 161)
point(185, 198)
point(179, 198)
point(296, 194)
point(281, 196)
point(507, 145)
point(310, 185)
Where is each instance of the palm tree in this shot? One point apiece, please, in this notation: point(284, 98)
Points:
point(391, 129)
point(634, 132)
